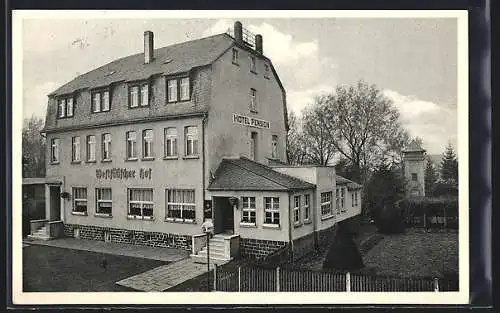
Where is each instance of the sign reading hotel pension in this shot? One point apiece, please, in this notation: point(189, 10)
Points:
point(123, 173)
point(250, 121)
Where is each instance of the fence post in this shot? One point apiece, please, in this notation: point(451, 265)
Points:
point(425, 220)
point(215, 277)
point(348, 282)
point(436, 284)
point(239, 278)
point(278, 279)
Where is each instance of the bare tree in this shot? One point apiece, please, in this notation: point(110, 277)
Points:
point(318, 144)
point(33, 145)
point(295, 150)
point(362, 124)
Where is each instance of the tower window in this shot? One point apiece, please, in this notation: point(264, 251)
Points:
point(414, 176)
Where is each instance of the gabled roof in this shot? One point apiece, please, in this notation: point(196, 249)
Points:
point(413, 147)
point(178, 58)
point(339, 180)
point(245, 174)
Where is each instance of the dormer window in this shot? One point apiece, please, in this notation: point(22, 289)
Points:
point(266, 71)
point(178, 89)
point(100, 101)
point(235, 56)
point(65, 107)
point(138, 95)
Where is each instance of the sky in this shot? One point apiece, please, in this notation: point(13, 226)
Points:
point(413, 61)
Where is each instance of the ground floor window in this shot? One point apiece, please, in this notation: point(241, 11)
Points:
point(340, 193)
point(104, 202)
point(248, 210)
point(272, 211)
point(140, 203)
point(326, 204)
point(296, 209)
point(181, 204)
point(307, 210)
point(79, 200)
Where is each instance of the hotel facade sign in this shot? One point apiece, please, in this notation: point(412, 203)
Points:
point(250, 121)
point(123, 173)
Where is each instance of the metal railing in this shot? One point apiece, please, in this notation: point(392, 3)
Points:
point(247, 36)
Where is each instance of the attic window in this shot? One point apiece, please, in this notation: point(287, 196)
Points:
point(266, 71)
point(100, 101)
point(65, 107)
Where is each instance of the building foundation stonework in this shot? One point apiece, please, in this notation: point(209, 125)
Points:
point(256, 248)
point(152, 239)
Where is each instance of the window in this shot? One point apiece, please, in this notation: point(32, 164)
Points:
point(253, 146)
point(172, 90)
point(100, 101)
point(104, 202)
point(75, 149)
point(266, 70)
point(326, 204)
point(307, 210)
point(79, 200)
point(147, 146)
point(355, 198)
point(62, 107)
point(340, 199)
point(191, 134)
point(181, 205)
point(272, 211)
point(134, 96)
point(54, 150)
point(131, 145)
point(296, 209)
point(170, 142)
point(140, 203)
point(252, 64)
point(105, 101)
point(235, 56)
point(69, 107)
point(414, 176)
point(248, 210)
point(184, 89)
point(275, 147)
point(253, 100)
point(90, 148)
point(65, 107)
point(145, 95)
point(106, 147)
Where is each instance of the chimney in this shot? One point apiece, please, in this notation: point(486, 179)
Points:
point(148, 47)
point(258, 43)
point(238, 31)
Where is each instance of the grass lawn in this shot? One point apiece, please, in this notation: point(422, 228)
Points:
point(52, 269)
point(414, 253)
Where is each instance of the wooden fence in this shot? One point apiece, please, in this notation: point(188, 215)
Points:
point(257, 279)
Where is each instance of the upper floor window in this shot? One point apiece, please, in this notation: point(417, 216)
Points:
point(296, 209)
point(178, 89)
point(266, 70)
point(307, 210)
point(191, 137)
point(54, 150)
point(235, 56)
point(184, 89)
point(274, 146)
point(65, 107)
point(170, 142)
point(172, 90)
point(253, 100)
point(106, 147)
point(90, 148)
point(414, 176)
point(147, 147)
point(138, 95)
point(253, 145)
point(100, 101)
point(253, 66)
point(75, 155)
point(131, 145)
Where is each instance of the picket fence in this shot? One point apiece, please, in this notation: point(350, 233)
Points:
point(257, 279)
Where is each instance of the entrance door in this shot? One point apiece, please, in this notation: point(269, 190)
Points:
point(55, 203)
point(223, 216)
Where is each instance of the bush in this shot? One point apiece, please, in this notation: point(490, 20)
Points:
point(390, 220)
point(343, 254)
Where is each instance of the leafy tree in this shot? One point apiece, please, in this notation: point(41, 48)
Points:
point(430, 177)
point(382, 193)
point(343, 253)
point(33, 145)
point(363, 125)
point(449, 165)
